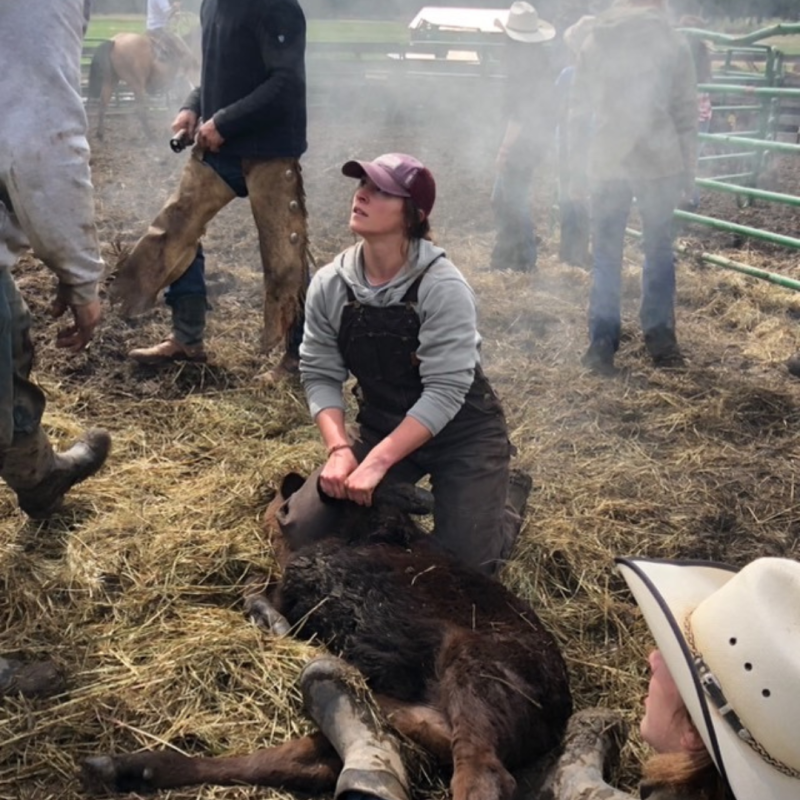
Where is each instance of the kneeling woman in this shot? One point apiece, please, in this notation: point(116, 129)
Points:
point(396, 314)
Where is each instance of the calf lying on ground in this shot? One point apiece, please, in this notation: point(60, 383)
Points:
point(457, 664)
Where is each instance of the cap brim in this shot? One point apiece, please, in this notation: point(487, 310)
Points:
point(545, 33)
point(667, 592)
point(380, 177)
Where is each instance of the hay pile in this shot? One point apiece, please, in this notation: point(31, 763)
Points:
point(134, 589)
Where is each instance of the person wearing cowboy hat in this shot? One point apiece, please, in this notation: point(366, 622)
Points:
point(530, 113)
point(723, 704)
point(633, 108)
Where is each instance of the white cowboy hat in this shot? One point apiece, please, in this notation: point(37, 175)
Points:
point(523, 24)
point(731, 641)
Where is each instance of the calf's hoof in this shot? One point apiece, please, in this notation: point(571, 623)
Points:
point(105, 774)
point(265, 615)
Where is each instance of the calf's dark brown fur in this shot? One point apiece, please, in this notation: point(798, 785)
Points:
point(456, 662)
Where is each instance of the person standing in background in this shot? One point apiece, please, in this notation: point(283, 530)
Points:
point(634, 109)
point(248, 119)
point(530, 115)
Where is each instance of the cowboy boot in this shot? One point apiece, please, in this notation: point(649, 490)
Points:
point(185, 343)
point(371, 758)
point(41, 477)
point(34, 679)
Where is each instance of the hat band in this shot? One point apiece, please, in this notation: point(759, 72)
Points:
point(713, 691)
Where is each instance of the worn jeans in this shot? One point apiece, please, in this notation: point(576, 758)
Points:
point(25, 451)
point(170, 246)
point(611, 201)
point(515, 243)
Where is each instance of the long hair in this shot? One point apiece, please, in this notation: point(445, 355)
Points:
point(693, 772)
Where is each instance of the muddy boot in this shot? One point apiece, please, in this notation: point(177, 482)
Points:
point(289, 365)
point(35, 679)
point(287, 368)
point(371, 757)
point(519, 487)
point(185, 343)
point(168, 351)
point(662, 345)
point(41, 477)
point(599, 358)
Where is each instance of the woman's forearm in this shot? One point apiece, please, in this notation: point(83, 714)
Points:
point(330, 422)
point(407, 437)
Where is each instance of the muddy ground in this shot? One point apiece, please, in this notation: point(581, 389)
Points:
point(134, 588)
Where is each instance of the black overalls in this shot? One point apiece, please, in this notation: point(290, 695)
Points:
point(467, 460)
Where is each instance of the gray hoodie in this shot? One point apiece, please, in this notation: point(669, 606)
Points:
point(45, 181)
point(449, 342)
point(635, 81)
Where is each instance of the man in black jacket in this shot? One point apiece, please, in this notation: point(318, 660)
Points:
point(248, 122)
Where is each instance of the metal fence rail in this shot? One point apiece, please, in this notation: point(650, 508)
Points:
point(767, 105)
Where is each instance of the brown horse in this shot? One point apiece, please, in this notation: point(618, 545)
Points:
point(146, 67)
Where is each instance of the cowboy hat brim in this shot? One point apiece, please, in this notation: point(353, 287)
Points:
point(544, 33)
point(667, 592)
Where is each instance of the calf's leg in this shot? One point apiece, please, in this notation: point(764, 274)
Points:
point(478, 711)
point(424, 725)
point(307, 765)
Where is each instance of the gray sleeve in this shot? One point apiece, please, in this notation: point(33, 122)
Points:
point(448, 349)
point(683, 109)
point(322, 368)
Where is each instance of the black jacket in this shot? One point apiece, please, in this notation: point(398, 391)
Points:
point(253, 79)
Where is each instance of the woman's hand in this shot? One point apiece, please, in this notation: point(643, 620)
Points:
point(334, 474)
point(362, 482)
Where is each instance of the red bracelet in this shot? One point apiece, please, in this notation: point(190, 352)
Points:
point(332, 450)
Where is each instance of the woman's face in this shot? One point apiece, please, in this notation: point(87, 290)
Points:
point(375, 213)
point(665, 718)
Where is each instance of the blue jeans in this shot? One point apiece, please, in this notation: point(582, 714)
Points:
point(515, 245)
point(611, 201)
point(193, 281)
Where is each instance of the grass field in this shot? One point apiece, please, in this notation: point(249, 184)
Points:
point(104, 27)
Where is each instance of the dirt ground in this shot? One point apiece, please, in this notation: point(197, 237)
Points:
point(135, 587)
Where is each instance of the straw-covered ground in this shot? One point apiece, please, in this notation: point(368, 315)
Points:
point(134, 588)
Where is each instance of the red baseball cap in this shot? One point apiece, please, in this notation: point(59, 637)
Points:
point(400, 175)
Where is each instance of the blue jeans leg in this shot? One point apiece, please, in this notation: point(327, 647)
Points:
point(515, 245)
point(611, 204)
point(192, 282)
point(657, 200)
